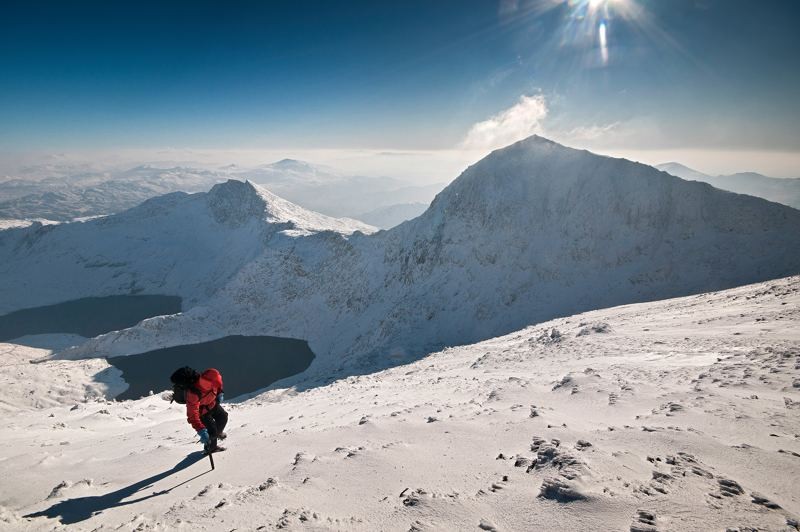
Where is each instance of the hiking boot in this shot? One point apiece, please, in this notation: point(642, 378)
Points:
point(213, 448)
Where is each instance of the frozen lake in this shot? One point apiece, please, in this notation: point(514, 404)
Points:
point(247, 363)
point(88, 317)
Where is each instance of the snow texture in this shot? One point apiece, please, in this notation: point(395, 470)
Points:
point(681, 415)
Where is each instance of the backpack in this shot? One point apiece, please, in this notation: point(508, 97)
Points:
point(182, 380)
point(179, 393)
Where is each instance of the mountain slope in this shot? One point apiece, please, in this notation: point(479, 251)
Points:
point(533, 231)
point(785, 191)
point(673, 415)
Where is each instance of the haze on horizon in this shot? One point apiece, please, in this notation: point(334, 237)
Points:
point(418, 89)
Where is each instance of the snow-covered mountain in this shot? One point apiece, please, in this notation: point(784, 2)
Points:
point(780, 190)
point(185, 244)
point(533, 231)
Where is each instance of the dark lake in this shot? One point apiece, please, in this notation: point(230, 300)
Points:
point(88, 316)
point(247, 364)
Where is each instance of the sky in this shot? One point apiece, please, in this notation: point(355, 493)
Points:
point(714, 83)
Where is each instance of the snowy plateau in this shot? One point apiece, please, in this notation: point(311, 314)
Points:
point(561, 341)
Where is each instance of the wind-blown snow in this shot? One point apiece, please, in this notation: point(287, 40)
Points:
point(673, 415)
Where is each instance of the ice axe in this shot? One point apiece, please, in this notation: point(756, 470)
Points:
point(211, 458)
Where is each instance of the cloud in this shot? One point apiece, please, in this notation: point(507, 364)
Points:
point(593, 132)
point(519, 121)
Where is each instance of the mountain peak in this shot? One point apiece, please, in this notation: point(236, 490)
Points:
point(292, 164)
point(683, 171)
point(234, 202)
point(535, 182)
point(536, 141)
point(674, 165)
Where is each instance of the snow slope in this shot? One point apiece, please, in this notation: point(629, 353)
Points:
point(531, 232)
point(678, 415)
point(780, 190)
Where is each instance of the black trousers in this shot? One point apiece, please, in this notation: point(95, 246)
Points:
point(215, 421)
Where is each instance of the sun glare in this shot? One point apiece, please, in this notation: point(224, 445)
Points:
point(590, 22)
point(603, 42)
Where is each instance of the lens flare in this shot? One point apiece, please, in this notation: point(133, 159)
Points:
point(601, 32)
point(587, 28)
point(589, 23)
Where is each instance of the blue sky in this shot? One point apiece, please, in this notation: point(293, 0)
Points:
point(412, 75)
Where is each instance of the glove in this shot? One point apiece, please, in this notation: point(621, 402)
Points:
point(220, 397)
point(204, 439)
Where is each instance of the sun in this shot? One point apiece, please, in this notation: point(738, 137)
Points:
point(597, 4)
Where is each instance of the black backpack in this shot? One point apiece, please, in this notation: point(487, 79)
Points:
point(179, 393)
point(183, 380)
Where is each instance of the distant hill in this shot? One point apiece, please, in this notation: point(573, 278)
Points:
point(779, 190)
point(65, 196)
point(392, 215)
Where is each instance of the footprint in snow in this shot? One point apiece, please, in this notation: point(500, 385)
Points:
point(347, 451)
point(487, 525)
point(303, 457)
point(757, 498)
point(420, 525)
point(645, 521)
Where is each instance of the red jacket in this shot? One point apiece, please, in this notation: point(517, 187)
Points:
point(208, 386)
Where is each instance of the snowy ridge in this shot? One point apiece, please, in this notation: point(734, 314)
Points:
point(235, 202)
point(533, 231)
point(180, 244)
point(672, 415)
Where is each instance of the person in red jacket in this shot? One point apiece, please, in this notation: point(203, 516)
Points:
point(203, 393)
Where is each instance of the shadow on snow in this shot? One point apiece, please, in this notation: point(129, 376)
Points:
point(72, 511)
